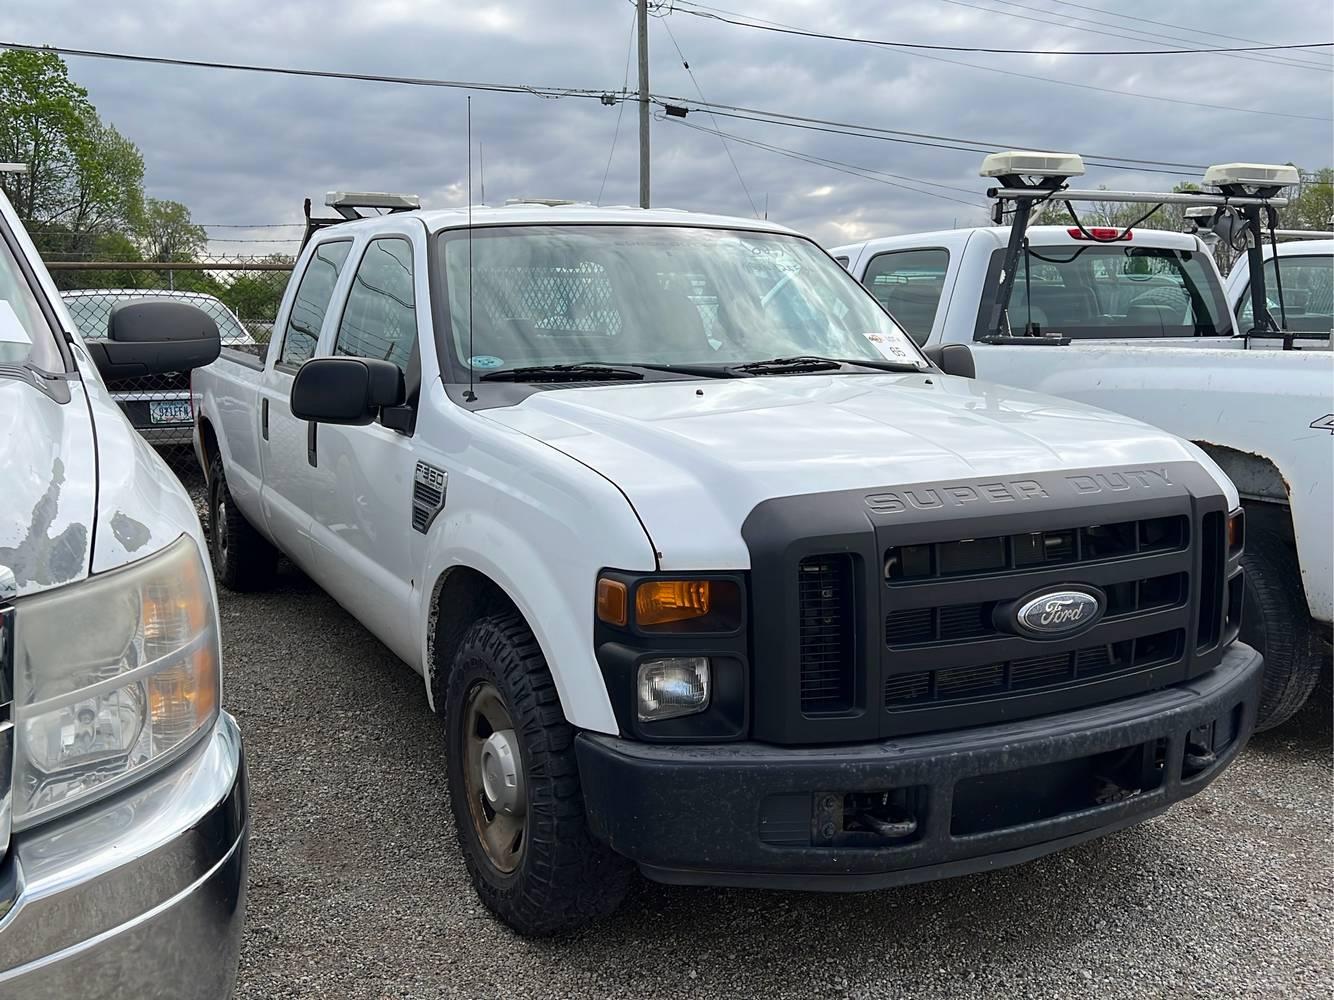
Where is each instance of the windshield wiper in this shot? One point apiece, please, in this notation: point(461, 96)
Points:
point(563, 373)
point(815, 363)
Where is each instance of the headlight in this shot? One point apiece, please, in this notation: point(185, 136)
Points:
point(672, 686)
point(112, 676)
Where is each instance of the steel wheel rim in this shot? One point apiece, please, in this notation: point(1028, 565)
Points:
point(498, 808)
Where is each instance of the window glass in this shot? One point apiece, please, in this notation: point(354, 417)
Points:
point(1308, 294)
point(312, 302)
point(655, 295)
point(380, 319)
point(25, 337)
point(1117, 292)
point(909, 284)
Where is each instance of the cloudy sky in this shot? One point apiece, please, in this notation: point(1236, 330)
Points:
point(242, 148)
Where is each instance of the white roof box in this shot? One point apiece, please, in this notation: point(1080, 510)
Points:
point(1261, 175)
point(1029, 164)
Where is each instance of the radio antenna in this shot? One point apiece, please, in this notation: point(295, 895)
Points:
point(472, 394)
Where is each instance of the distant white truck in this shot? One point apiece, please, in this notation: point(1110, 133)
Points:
point(1139, 322)
point(1306, 307)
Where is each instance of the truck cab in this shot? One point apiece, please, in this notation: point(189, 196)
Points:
point(710, 571)
point(1307, 306)
point(1139, 322)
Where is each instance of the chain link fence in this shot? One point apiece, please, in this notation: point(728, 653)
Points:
point(241, 294)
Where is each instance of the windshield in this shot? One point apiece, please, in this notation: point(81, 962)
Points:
point(1114, 292)
point(91, 312)
point(1308, 294)
point(667, 295)
point(25, 336)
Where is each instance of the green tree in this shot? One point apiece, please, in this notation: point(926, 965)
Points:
point(84, 178)
point(1312, 206)
point(165, 232)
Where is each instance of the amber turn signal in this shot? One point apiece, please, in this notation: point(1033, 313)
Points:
point(1236, 532)
point(613, 608)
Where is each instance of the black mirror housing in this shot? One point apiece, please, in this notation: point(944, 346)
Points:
point(346, 390)
point(154, 336)
point(953, 359)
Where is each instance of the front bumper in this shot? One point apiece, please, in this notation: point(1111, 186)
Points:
point(749, 814)
point(142, 895)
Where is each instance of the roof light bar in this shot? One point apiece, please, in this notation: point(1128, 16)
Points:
point(372, 199)
point(1023, 163)
point(1252, 175)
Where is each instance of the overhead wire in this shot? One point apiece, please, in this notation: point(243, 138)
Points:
point(620, 108)
point(759, 22)
point(731, 159)
point(683, 7)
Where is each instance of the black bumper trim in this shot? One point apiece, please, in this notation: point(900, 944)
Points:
point(690, 814)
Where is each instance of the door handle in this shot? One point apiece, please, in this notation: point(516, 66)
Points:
point(264, 418)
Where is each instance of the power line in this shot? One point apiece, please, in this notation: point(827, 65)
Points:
point(408, 81)
point(982, 49)
point(1162, 24)
point(620, 107)
point(726, 149)
point(1066, 83)
point(866, 173)
point(916, 138)
point(1138, 36)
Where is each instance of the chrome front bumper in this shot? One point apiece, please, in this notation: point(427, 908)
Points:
point(140, 896)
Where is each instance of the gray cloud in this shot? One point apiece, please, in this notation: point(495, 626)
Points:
point(242, 148)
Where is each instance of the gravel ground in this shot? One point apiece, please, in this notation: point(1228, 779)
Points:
point(357, 888)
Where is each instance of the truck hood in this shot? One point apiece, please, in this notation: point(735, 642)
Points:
point(50, 474)
point(694, 458)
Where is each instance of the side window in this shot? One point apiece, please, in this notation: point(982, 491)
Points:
point(380, 318)
point(1308, 295)
point(909, 284)
point(312, 302)
point(843, 261)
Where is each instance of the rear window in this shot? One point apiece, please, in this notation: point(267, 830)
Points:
point(1308, 294)
point(1115, 292)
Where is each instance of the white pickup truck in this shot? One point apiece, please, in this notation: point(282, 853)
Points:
point(711, 571)
point(1307, 270)
point(1138, 322)
point(123, 813)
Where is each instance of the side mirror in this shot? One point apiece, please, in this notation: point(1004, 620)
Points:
point(155, 336)
point(346, 390)
point(953, 359)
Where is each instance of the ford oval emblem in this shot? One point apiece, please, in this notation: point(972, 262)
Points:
point(1058, 613)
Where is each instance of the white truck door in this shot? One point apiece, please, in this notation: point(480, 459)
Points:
point(287, 491)
point(362, 532)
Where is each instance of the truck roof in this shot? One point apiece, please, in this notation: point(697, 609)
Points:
point(536, 213)
point(1038, 235)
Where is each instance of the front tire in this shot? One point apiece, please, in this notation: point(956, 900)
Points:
point(242, 558)
point(514, 788)
point(1275, 621)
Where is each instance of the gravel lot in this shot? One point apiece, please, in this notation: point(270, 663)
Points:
point(357, 888)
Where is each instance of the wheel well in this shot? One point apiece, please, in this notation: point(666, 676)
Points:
point(461, 596)
point(208, 440)
point(1256, 477)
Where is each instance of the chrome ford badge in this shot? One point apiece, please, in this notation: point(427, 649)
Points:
point(1058, 613)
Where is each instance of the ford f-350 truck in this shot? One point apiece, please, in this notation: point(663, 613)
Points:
point(712, 572)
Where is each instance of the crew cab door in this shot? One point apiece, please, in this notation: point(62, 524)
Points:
point(287, 493)
point(364, 548)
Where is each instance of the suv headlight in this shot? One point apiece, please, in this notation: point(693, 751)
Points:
point(112, 676)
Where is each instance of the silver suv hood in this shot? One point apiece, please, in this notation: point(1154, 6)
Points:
point(694, 458)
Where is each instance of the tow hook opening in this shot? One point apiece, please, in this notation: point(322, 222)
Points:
point(868, 819)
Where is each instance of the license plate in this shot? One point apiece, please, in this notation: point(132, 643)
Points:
point(169, 411)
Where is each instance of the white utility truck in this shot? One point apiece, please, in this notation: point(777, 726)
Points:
point(1306, 304)
point(123, 813)
point(711, 570)
point(1137, 321)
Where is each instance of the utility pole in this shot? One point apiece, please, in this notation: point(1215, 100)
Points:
point(643, 103)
